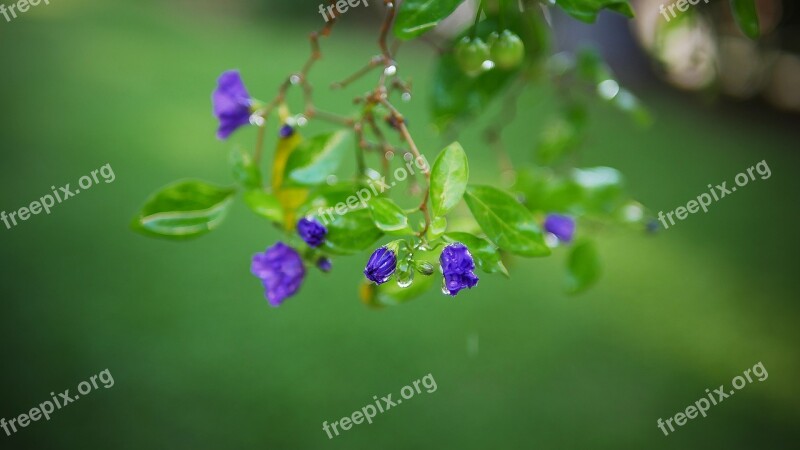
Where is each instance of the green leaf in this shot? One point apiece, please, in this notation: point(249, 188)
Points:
point(438, 226)
point(328, 195)
point(486, 255)
point(505, 221)
point(598, 191)
point(264, 204)
point(583, 267)
point(746, 16)
point(351, 232)
point(315, 159)
point(418, 16)
point(587, 10)
point(388, 217)
point(184, 210)
point(449, 178)
point(602, 189)
point(245, 170)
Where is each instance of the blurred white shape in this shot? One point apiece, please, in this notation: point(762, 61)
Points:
point(608, 89)
point(256, 120)
point(633, 212)
point(597, 177)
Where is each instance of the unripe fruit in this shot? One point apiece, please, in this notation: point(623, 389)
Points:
point(507, 49)
point(470, 55)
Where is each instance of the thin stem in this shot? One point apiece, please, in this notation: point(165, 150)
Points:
point(385, 28)
point(403, 129)
point(478, 14)
point(424, 208)
point(373, 63)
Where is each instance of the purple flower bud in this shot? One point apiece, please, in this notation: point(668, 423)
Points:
point(324, 264)
point(286, 131)
point(312, 232)
point(458, 268)
point(281, 271)
point(381, 265)
point(231, 103)
point(563, 227)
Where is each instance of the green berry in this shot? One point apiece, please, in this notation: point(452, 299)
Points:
point(470, 55)
point(507, 50)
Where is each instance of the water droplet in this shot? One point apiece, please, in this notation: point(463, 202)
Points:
point(332, 179)
point(445, 291)
point(408, 157)
point(405, 279)
point(389, 155)
point(633, 212)
point(390, 70)
point(406, 97)
point(551, 240)
point(294, 79)
point(488, 65)
point(301, 120)
point(256, 120)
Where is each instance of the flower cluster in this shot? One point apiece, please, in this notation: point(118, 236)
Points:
point(456, 262)
point(282, 269)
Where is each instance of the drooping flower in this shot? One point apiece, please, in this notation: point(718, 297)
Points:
point(286, 131)
point(281, 270)
point(458, 268)
point(311, 231)
point(231, 102)
point(563, 227)
point(381, 265)
point(324, 264)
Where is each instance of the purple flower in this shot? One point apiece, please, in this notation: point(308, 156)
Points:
point(281, 271)
point(286, 131)
point(324, 264)
point(312, 232)
point(231, 103)
point(458, 268)
point(563, 227)
point(381, 265)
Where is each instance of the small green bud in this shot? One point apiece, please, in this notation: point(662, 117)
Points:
point(470, 55)
point(507, 49)
point(425, 268)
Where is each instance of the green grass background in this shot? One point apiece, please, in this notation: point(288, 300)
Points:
point(200, 360)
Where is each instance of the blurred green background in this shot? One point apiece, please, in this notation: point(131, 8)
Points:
point(199, 359)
